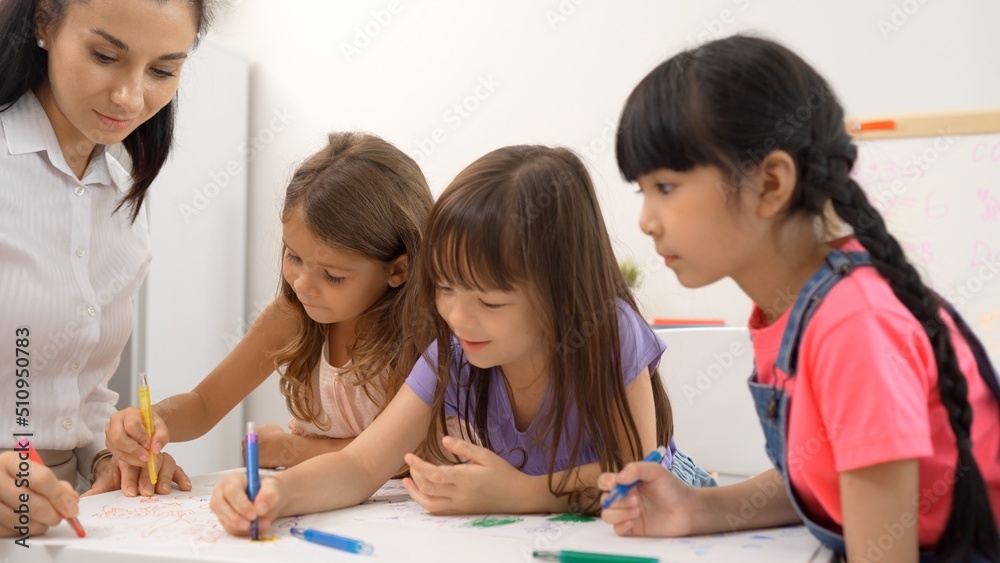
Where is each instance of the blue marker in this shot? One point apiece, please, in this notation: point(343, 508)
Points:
point(620, 491)
point(334, 541)
point(253, 473)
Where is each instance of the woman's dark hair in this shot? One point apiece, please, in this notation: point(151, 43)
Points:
point(731, 102)
point(23, 66)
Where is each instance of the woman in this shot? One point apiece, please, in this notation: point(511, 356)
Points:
point(74, 245)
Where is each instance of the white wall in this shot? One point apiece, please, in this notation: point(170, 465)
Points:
point(560, 71)
point(194, 296)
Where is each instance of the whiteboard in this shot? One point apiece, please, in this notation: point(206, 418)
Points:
point(940, 197)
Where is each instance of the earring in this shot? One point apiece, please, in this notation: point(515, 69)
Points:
point(41, 43)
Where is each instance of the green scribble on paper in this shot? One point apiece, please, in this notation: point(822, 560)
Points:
point(569, 517)
point(492, 522)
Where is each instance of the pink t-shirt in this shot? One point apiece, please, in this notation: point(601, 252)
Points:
point(342, 403)
point(866, 393)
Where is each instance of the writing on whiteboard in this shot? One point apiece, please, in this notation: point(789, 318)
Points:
point(983, 253)
point(984, 151)
point(940, 196)
point(991, 204)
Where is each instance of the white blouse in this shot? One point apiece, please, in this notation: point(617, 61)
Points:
point(69, 273)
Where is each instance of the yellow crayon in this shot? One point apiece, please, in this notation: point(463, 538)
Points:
point(146, 408)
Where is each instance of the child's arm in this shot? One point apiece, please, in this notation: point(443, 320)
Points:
point(190, 415)
point(664, 506)
point(279, 448)
point(187, 416)
point(487, 483)
point(490, 484)
point(329, 481)
point(879, 505)
point(639, 397)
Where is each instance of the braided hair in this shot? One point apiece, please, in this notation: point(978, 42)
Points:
point(729, 103)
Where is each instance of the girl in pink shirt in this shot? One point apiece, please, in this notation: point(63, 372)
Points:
point(879, 406)
point(351, 228)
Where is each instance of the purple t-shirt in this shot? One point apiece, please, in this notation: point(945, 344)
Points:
point(640, 349)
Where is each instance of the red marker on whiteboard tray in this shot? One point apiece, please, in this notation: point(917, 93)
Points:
point(861, 126)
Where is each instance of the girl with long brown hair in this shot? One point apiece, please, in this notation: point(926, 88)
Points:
point(540, 352)
point(351, 231)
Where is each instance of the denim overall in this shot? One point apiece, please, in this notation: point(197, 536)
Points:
point(772, 402)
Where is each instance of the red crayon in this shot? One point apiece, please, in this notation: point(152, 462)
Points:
point(23, 445)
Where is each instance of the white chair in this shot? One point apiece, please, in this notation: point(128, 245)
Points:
point(705, 371)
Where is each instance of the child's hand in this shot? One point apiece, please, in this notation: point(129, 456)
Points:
point(135, 480)
point(487, 483)
point(660, 505)
point(126, 437)
point(234, 509)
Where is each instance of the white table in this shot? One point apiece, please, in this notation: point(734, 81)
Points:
point(180, 528)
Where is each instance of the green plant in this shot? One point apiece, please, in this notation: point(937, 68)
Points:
point(630, 271)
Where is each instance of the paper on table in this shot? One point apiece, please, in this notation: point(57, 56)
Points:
point(392, 491)
point(519, 526)
point(180, 526)
point(179, 522)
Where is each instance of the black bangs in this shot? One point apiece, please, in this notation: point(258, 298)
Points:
point(659, 117)
point(662, 125)
point(473, 242)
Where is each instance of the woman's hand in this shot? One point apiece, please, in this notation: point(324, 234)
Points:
point(49, 500)
point(487, 483)
point(107, 477)
point(125, 435)
point(135, 480)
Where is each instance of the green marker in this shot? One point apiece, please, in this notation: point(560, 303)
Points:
point(583, 557)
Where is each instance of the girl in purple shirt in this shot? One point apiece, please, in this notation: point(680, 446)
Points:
point(540, 354)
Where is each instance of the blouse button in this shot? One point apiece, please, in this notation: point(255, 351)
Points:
point(92, 311)
point(81, 252)
point(79, 190)
point(67, 423)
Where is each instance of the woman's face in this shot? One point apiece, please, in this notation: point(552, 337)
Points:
point(112, 64)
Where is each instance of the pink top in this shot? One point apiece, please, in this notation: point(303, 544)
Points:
point(343, 404)
point(866, 393)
